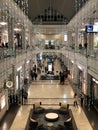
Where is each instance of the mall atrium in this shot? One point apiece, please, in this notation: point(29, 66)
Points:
point(46, 38)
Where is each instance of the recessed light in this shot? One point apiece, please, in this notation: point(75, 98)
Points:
point(3, 23)
point(17, 29)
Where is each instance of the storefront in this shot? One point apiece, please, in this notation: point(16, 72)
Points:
point(19, 78)
point(19, 83)
point(95, 41)
point(94, 92)
point(3, 34)
point(82, 40)
point(27, 70)
point(82, 80)
point(3, 103)
point(18, 40)
point(71, 68)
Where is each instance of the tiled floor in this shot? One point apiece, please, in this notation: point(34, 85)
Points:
point(50, 92)
point(40, 91)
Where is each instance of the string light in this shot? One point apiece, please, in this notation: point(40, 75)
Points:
point(23, 4)
point(9, 11)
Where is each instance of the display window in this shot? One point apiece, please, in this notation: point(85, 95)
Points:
point(27, 69)
point(4, 39)
point(81, 39)
point(95, 87)
point(50, 67)
point(21, 78)
point(96, 40)
point(96, 91)
point(17, 82)
point(3, 102)
point(18, 40)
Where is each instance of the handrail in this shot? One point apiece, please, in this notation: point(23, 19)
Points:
point(49, 101)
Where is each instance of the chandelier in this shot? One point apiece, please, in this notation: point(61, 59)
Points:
point(50, 16)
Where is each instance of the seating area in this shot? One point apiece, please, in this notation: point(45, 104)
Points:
point(49, 77)
point(37, 108)
point(63, 108)
point(50, 119)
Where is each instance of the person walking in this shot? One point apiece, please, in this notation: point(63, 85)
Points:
point(62, 78)
point(32, 74)
point(82, 100)
point(75, 100)
point(35, 75)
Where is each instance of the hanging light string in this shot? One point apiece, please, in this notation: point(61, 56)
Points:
point(3, 22)
point(23, 4)
point(7, 12)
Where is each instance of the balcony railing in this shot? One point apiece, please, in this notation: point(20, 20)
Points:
point(49, 101)
point(8, 52)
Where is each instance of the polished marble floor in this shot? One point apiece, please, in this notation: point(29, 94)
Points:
point(50, 93)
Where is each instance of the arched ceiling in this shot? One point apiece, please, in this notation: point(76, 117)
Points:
point(65, 7)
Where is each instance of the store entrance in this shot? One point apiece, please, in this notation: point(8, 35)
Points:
point(50, 65)
point(48, 72)
point(94, 93)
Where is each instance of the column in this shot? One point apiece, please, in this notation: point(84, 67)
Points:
point(30, 39)
point(69, 39)
point(76, 39)
point(90, 44)
point(23, 39)
point(14, 78)
point(11, 33)
point(89, 89)
point(90, 37)
point(75, 74)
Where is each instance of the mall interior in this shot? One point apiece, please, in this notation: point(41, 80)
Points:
point(48, 65)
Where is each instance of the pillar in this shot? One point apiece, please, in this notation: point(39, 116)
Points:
point(23, 39)
point(30, 39)
point(76, 38)
point(88, 84)
point(90, 44)
point(90, 37)
point(75, 74)
point(11, 33)
point(14, 78)
point(69, 39)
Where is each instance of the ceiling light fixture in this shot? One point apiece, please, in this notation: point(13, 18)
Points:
point(3, 23)
point(17, 29)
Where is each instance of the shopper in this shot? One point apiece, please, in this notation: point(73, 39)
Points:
point(75, 100)
point(82, 100)
point(32, 74)
point(35, 75)
point(62, 78)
